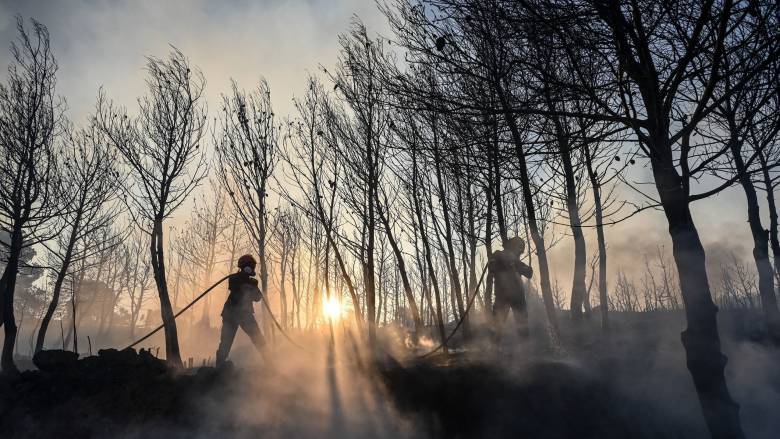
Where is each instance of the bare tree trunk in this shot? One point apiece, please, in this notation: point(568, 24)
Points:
point(172, 353)
point(108, 305)
point(20, 331)
point(61, 273)
point(7, 286)
point(74, 325)
point(599, 214)
point(495, 183)
point(766, 285)
point(563, 143)
point(427, 253)
point(369, 280)
point(488, 302)
point(399, 258)
point(536, 235)
point(282, 289)
point(2, 296)
point(701, 340)
point(294, 278)
point(452, 268)
point(578, 280)
point(426, 289)
point(771, 206)
point(55, 300)
point(473, 235)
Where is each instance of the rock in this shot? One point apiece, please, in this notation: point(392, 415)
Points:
point(55, 360)
point(152, 363)
point(130, 361)
point(124, 357)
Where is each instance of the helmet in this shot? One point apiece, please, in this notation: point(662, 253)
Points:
point(515, 243)
point(246, 261)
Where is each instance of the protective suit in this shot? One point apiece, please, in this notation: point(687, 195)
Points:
point(238, 310)
point(507, 268)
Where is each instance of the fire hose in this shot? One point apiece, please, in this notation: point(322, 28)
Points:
point(462, 318)
point(181, 311)
point(202, 295)
point(287, 336)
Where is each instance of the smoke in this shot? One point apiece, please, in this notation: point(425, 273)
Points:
point(315, 393)
point(632, 383)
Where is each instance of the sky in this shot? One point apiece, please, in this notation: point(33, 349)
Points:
point(104, 42)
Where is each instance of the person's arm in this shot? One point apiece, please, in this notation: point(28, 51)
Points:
point(493, 262)
point(256, 293)
point(233, 286)
point(524, 269)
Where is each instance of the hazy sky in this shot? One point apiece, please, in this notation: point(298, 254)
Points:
point(103, 42)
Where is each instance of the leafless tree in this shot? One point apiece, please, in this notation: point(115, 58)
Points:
point(314, 170)
point(161, 147)
point(665, 83)
point(739, 286)
point(362, 130)
point(625, 297)
point(30, 122)
point(660, 290)
point(763, 137)
point(247, 142)
point(202, 239)
point(742, 105)
point(90, 176)
point(135, 278)
point(465, 41)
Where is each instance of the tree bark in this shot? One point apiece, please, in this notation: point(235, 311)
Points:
point(766, 285)
point(172, 352)
point(700, 339)
point(55, 300)
point(488, 302)
point(399, 258)
point(536, 235)
point(369, 269)
point(578, 280)
point(771, 206)
point(427, 252)
point(601, 241)
point(74, 327)
point(451, 265)
point(7, 287)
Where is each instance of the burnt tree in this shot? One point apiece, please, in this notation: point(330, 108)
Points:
point(30, 122)
point(161, 148)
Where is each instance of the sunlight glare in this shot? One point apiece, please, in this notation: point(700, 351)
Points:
point(331, 308)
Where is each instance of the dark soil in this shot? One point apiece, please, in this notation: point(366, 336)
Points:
point(637, 388)
point(548, 400)
point(118, 392)
point(100, 396)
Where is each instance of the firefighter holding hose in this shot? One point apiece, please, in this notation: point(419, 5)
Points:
point(508, 270)
point(238, 310)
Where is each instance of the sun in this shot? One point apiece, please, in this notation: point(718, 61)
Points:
point(331, 308)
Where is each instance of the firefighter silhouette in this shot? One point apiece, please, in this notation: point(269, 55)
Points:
point(238, 310)
point(507, 270)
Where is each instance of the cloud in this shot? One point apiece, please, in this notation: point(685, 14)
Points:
point(102, 42)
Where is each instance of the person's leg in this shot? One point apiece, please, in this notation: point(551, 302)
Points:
point(520, 311)
point(500, 312)
point(228, 333)
point(249, 325)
